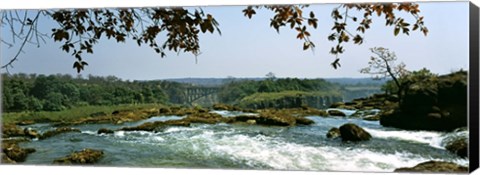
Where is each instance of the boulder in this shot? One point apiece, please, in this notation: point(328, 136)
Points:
point(333, 133)
point(6, 159)
point(303, 121)
point(86, 156)
point(435, 103)
point(12, 131)
point(435, 166)
point(334, 112)
point(153, 126)
point(372, 117)
point(209, 118)
point(105, 131)
point(251, 122)
point(273, 118)
point(15, 153)
point(352, 132)
point(31, 133)
point(458, 147)
point(57, 131)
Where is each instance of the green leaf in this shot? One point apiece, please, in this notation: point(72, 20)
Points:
point(396, 31)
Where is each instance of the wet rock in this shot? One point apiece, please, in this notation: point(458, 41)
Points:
point(459, 147)
point(273, 118)
point(12, 131)
point(209, 118)
point(336, 113)
point(153, 126)
point(6, 159)
point(31, 133)
point(303, 121)
point(372, 118)
point(251, 122)
point(86, 156)
point(314, 112)
point(435, 166)
point(15, 153)
point(352, 132)
point(333, 133)
point(57, 131)
point(105, 131)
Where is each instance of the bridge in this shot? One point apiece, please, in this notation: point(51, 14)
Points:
point(192, 94)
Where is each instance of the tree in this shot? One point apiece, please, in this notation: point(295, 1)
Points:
point(384, 66)
point(80, 29)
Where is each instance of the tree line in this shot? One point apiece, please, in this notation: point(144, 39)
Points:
point(234, 91)
point(32, 92)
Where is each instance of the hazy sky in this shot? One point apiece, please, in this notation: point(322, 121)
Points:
point(251, 48)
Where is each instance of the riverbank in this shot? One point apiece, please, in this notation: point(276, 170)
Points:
point(70, 115)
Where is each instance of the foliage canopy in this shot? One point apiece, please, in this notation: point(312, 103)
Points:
point(177, 29)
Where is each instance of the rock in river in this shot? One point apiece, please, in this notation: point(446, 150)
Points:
point(459, 147)
point(104, 131)
point(86, 156)
point(435, 166)
point(333, 133)
point(352, 132)
point(336, 113)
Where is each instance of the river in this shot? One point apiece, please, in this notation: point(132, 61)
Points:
point(238, 146)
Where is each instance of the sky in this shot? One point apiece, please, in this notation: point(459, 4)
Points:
point(251, 48)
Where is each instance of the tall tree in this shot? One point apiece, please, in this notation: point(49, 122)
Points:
point(384, 66)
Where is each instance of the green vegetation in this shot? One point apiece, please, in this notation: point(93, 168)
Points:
point(259, 97)
point(22, 92)
point(69, 115)
point(235, 91)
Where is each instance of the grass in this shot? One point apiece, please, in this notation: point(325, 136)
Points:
point(69, 114)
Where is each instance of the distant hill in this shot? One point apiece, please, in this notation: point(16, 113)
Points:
point(221, 81)
point(209, 81)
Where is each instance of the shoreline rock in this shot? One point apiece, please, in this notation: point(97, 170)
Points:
point(86, 156)
point(13, 153)
point(435, 166)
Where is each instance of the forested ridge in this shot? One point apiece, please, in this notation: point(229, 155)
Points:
point(32, 92)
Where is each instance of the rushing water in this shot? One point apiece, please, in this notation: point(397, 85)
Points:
point(250, 146)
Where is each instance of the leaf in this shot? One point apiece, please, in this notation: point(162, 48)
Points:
point(358, 40)
point(396, 31)
point(306, 45)
point(425, 31)
point(331, 37)
point(312, 15)
point(336, 63)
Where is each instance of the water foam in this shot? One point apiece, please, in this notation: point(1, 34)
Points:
point(275, 153)
point(432, 138)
